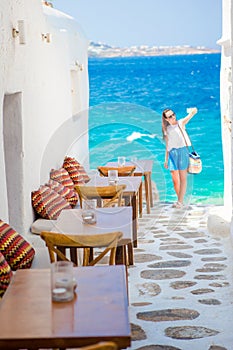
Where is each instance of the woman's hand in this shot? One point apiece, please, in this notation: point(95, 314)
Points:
point(166, 164)
point(192, 111)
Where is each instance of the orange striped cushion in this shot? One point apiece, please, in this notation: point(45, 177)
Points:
point(5, 275)
point(76, 171)
point(17, 251)
point(62, 176)
point(48, 203)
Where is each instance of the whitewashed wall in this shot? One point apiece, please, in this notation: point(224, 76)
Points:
point(226, 99)
point(44, 102)
point(221, 222)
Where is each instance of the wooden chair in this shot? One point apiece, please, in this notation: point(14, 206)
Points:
point(105, 345)
point(122, 171)
point(58, 243)
point(109, 193)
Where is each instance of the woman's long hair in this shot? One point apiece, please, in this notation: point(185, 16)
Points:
point(164, 123)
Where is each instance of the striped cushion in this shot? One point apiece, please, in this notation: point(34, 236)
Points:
point(62, 176)
point(5, 274)
point(69, 195)
point(48, 203)
point(76, 171)
point(17, 251)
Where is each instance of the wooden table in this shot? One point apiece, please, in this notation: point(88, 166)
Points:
point(108, 220)
point(130, 194)
point(99, 312)
point(144, 168)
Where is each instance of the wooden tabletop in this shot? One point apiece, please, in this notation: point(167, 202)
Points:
point(142, 165)
point(99, 311)
point(133, 188)
point(107, 220)
point(132, 183)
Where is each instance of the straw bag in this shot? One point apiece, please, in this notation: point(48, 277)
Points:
point(195, 163)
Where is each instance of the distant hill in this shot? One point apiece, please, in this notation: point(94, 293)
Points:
point(104, 50)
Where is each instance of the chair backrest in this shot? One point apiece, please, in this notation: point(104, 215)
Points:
point(105, 345)
point(58, 242)
point(122, 171)
point(101, 192)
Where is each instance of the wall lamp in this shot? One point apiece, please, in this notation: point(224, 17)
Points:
point(79, 66)
point(46, 37)
point(20, 32)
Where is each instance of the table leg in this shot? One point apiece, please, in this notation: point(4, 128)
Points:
point(147, 191)
point(134, 218)
point(140, 200)
point(150, 190)
point(130, 254)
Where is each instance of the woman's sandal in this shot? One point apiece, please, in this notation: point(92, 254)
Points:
point(177, 205)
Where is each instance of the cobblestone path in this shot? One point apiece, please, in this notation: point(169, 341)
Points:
point(180, 288)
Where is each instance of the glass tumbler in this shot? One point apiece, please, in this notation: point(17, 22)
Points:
point(112, 177)
point(89, 211)
point(62, 281)
point(121, 161)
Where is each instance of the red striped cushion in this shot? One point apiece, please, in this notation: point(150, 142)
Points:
point(5, 274)
point(62, 176)
point(58, 187)
point(17, 251)
point(72, 166)
point(69, 195)
point(48, 203)
point(74, 173)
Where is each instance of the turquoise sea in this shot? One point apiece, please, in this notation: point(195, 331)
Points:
point(127, 97)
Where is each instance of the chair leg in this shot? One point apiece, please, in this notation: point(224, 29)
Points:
point(73, 255)
point(119, 256)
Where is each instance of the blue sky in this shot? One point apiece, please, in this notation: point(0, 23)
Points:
point(147, 22)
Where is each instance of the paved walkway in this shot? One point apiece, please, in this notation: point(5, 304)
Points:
point(180, 288)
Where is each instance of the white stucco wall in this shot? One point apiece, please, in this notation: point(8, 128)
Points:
point(220, 220)
point(44, 102)
point(226, 100)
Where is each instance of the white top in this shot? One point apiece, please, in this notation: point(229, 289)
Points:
point(175, 137)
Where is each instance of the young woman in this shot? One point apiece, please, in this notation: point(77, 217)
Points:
point(176, 156)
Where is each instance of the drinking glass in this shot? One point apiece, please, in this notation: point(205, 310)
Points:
point(89, 211)
point(112, 177)
point(133, 159)
point(62, 281)
point(121, 161)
